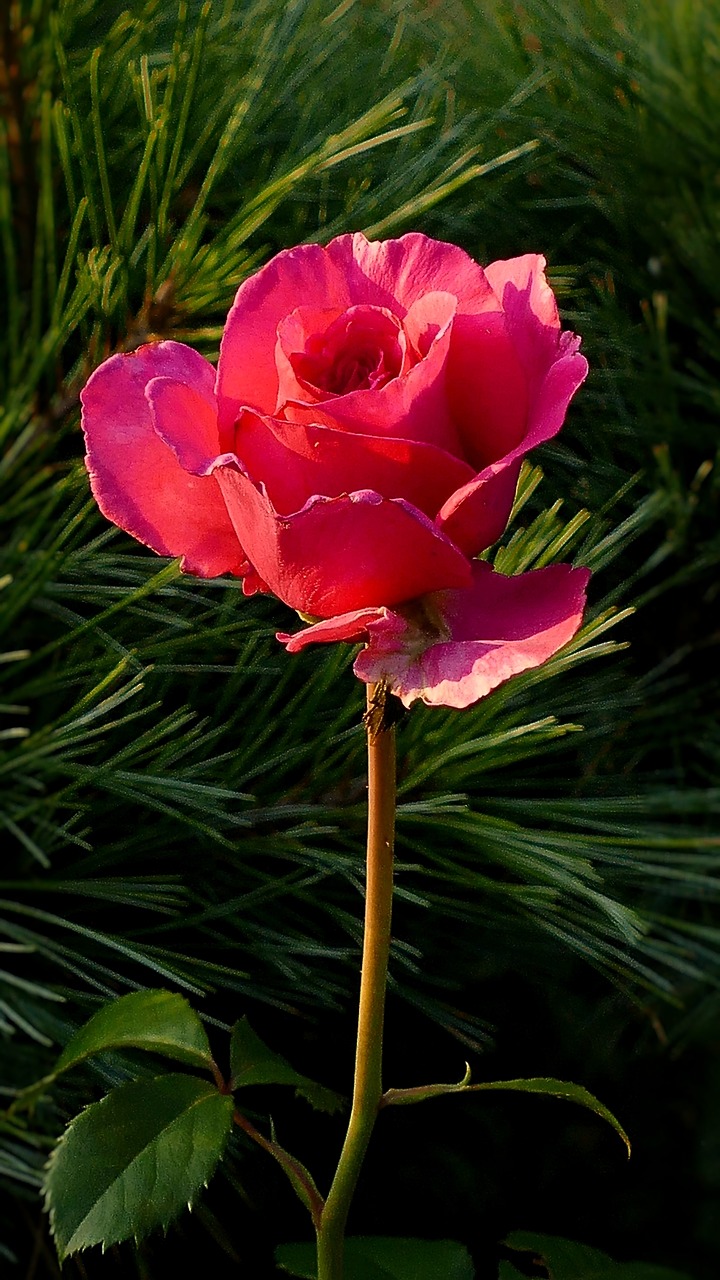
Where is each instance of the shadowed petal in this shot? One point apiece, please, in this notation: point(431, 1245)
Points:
point(298, 462)
point(341, 554)
point(136, 479)
point(486, 387)
point(476, 515)
point(455, 648)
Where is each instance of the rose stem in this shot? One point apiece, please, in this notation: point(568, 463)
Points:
point(367, 1090)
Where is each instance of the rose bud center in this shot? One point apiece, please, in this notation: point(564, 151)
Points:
point(361, 350)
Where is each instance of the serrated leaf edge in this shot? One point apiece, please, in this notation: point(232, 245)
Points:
point(161, 1224)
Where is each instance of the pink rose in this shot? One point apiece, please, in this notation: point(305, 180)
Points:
point(357, 448)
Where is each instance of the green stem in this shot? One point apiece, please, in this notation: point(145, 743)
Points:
point(367, 1091)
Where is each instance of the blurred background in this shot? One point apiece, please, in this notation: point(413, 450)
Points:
point(182, 805)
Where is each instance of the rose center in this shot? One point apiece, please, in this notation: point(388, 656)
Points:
point(362, 350)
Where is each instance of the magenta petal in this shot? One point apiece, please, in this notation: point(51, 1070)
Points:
point(476, 515)
point(340, 554)
point(137, 480)
point(301, 461)
point(557, 389)
point(531, 314)
point(413, 406)
point(463, 644)
point(246, 370)
point(396, 273)
point(185, 418)
point(487, 387)
point(346, 626)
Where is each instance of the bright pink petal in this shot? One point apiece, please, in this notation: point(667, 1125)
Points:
point(413, 406)
point(554, 394)
point(346, 626)
point(341, 554)
point(297, 462)
point(530, 309)
point(137, 480)
point(455, 648)
point(396, 273)
point(476, 515)
point(486, 387)
point(246, 374)
point(293, 333)
point(527, 277)
point(185, 418)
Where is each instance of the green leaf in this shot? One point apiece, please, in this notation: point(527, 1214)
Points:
point(158, 1021)
point(385, 1258)
point(132, 1161)
point(541, 1084)
point(251, 1062)
point(568, 1260)
point(564, 1259)
point(508, 1272)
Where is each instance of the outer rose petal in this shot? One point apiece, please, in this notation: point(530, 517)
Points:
point(480, 637)
point(486, 387)
point(397, 273)
point(246, 372)
point(476, 515)
point(300, 461)
point(136, 479)
point(531, 314)
point(341, 554)
point(345, 626)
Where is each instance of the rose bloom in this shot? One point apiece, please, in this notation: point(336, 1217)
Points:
point(358, 446)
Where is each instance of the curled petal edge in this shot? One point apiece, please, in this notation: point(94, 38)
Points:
point(452, 648)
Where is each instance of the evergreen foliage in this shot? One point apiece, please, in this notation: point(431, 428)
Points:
point(182, 804)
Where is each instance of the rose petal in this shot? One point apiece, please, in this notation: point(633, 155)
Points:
point(557, 389)
point(476, 515)
point(293, 332)
point(484, 635)
point(530, 309)
point(137, 481)
point(297, 462)
point(185, 418)
point(345, 626)
point(486, 387)
point(246, 370)
point(397, 273)
point(340, 554)
point(310, 344)
point(413, 406)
